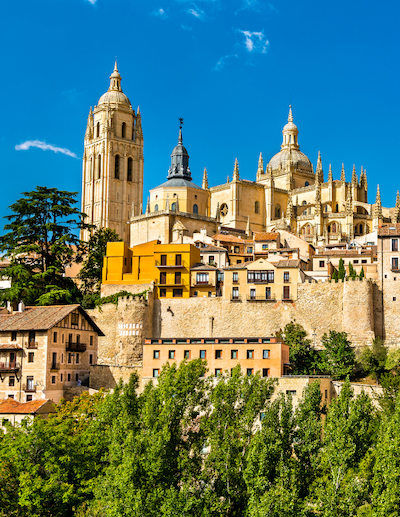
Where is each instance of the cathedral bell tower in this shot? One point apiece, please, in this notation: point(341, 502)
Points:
point(112, 178)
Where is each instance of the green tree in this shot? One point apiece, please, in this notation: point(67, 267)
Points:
point(338, 357)
point(373, 359)
point(302, 354)
point(362, 273)
point(41, 240)
point(390, 384)
point(335, 275)
point(341, 270)
point(91, 271)
point(352, 271)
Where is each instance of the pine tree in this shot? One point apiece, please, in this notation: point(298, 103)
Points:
point(342, 270)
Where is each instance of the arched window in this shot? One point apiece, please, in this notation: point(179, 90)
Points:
point(334, 228)
point(329, 228)
point(277, 211)
point(326, 208)
point(99, 167)
point(257, 207)
point(337, 208)
point(173, 207)
point(130, 167)
point(117, 160)
point(123, 130)
point(306, 184)
point(155, 208)
point(98, 130)
point(195, 209)
point(309, 229)
point(89, 172)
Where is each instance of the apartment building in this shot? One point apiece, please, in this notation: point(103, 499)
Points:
point(43, 350)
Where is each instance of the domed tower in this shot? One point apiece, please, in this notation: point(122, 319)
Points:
point(112, 183)
point(290, 167)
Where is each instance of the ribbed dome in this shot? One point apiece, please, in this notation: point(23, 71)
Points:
point(114, 96)
point(299, 159)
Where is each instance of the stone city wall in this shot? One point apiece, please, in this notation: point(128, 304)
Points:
point(107, 376)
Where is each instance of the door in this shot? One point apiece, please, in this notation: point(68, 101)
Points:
point(286, 292)
point(12, 359)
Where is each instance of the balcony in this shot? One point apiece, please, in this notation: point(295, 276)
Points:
point(236, 298)
point(183, 264)
point(250, 298)
point(32, 344)
point(171, 284)
point(29, 388)
point(9, 367)
point(287, 298)
point(202, 284)
point(75, 347)
point(265, 281)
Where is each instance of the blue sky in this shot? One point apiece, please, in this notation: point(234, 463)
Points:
point(229, 67)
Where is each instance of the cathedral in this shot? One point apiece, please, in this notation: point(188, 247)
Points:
point(287, 194)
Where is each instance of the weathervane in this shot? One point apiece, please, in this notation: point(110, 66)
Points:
point(180, 122)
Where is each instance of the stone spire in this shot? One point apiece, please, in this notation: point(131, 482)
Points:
point(396, 215)
point(330, 177)
point(89, 127)
point(235, 176)
point(378, 204)
point(218, 213)
point(260, 168)
point(227, 179)
point(354, 179)
point(115, 80)
point(290, 133)
point(148, 206)
point(289, 210)
point(179, 160)
point(204, 184)
point(349, 204)
point(343, 175)
point(319, 172)
point(138, 125)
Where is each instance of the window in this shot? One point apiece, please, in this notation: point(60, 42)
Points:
point(156, 372)
point(268, 293)
point(250, 354)
point(69, 377)
point(32, 338)
point(355, 261)
point(211, 259)
point(74, 320)
point(31, 357)
point(163, 293)
point(171, 354)
point(395, 245)
point(99, 167)
point(286, 277)
point(249, 372)
point(11, 380)
point(202, 278)
point(265, 354)
point(218, 354)
point(277, 211)
point(13, 335)
point(234, 354)
point(156, 354)
point(163, 260)
point(217, 372)
point(306, 184)
point(265, 372)
point(155, 208)
point(10, 397)
point(394, 298)
point(264, 247)
point(238, 262)
point(177, 293)
point(53, 379)
point(326, 394)
point(363, 261)
point(123, 130)
point(90, 359)
point(76, 377)
point(195, 209)
point(116, 169)
point(91, 340)
point(395, 263)
point(77, 358)
point(203, 354)
point(249, 249)
point(98, 130)
point(178, 278)
point(69, 358)
point(130, 167)
point(186, 354)
point(163, 278)
point(291, 392)
point(235, 293)
point(257, 207)
point(29, 383)
point(235, 277)
point(29, 398)
point(236, 249)
point(178, 260)
point(322, 263)
point(252, 294)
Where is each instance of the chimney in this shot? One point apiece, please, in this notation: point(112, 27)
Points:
point(21, 306)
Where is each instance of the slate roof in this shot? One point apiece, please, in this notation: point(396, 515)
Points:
point(24, 408)
point(41, 318)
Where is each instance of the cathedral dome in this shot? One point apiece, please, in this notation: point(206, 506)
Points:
point(114, 94)
point(299, 159)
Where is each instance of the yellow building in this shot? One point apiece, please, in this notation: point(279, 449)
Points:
point(263, 281)
point(167, 265)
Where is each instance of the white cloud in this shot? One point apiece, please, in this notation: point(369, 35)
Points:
point(92, 1)
point(222, 61)
point(255, 41)
point(160, 12)
point(45, 147)
point(186, 27)
point(196, 12)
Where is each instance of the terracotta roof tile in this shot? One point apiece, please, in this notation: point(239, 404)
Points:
point(229, 238)
point(288, 263)
point(204, 267)
point(390, 229)
point(24, 408)
point(266, 236)
point(210, 247)
point(10, 346)
point(243, 265)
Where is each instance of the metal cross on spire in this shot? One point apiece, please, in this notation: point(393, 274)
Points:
point(180, 122)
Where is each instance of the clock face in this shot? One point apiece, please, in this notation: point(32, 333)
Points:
point(224, 209)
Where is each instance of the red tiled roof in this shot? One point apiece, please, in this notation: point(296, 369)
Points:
point(266, 236)
point(390, 229)
point(23, 408)
point(229, 238)
point(288, 263)
point(10, 346)
point(210, 247)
